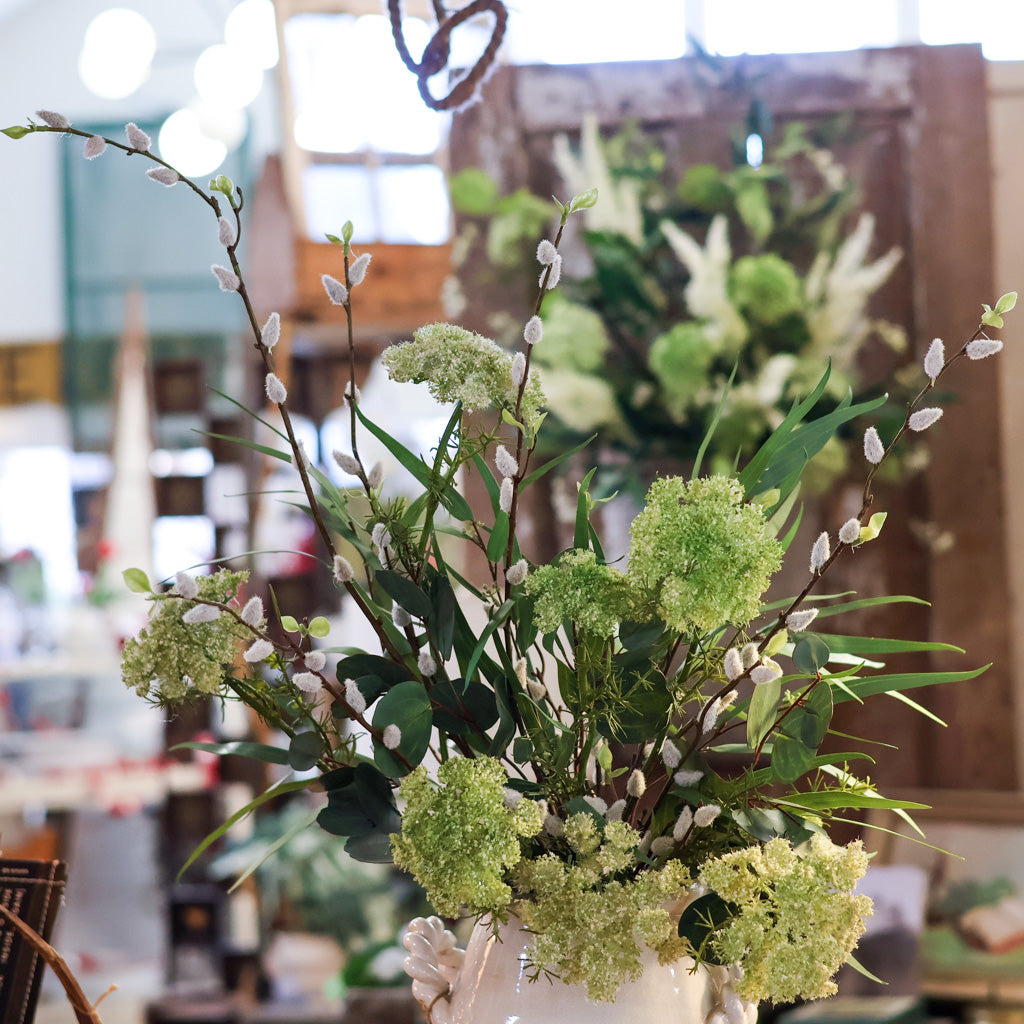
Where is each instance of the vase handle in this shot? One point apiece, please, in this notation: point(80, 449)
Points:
point(433, 963)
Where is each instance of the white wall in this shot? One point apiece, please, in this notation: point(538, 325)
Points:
point(39, 47)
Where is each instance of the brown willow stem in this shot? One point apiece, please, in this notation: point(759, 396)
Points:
point(85, 1012)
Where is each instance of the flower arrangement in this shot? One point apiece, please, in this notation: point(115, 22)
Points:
point(623, 757)
point(731, 286)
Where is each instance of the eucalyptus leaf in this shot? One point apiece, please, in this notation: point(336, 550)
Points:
point(405, 592)
point(407, 707)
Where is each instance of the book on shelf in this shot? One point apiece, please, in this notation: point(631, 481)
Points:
point(31, 890)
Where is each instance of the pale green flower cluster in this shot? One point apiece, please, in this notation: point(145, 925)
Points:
point(680, 359)
point(575, 337)
point(460, 366)
point(171, 660)
point(591, 929)
point(701, 554)
point(766, 287)
point(798, 917)
point(594, 596)
point(458, 836)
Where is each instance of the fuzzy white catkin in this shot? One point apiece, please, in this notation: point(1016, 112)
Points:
point(164, 175)
point(349, 463)
point(766, 672)
point(554, 826)
point(186, 585)
point(682, 825)
point(270, 335)
point(303, 455)
point(399, 616)
point(357, 271)
point(546, 253)
point(276, 391)
point(849, 532)
point(704, 816)
point(636, 785)
point(426, 664)
point(538, 691)
point(376, 476)
point(798, 621)
point(201, 613)
point(515, 574)
point(225, 232)
point(750, 655)
point(924, 418)
point(505, 461)
point(315, 661)
point(392, 736)
point(615, 811)
point(352, 393)
point(710, 719)
point(343, 571)
point(820, 552)
point(94, 147)
point(599, 805)
point(505, 496)
point(662, 846)
point(258, 650)
point(336, 291)
point(935, 358)
point(137, 138)
point(554, 274)
point(981, 348)
point(874, 451)
point(380, 536)
point(533, 331)
point(687, 776)
point(53, 120)
point(307, 682)
point(518, 369)
point(670, 755)
point(511, 798)
point(227, 279)
point(252, 613)
point(354, 697)
point(733, 664)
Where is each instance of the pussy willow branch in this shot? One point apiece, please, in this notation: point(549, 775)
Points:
point(85, 1012)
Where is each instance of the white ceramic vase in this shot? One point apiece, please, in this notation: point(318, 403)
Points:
point(490, 983)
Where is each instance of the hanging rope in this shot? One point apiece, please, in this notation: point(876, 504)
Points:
point(438, 50)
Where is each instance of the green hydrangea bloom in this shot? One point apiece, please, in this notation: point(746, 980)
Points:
point(680, 359)
point(575, 337)
point(701, 554)
point(591, 932)
point(798, 917)
point(458, 838)
point(460, 366)
point(171, 661)
point(576, 586)
point(766, 288)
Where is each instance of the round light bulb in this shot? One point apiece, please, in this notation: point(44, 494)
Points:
point(252, 30)
point(225, 77)
point(117, 51)
point(183, 144)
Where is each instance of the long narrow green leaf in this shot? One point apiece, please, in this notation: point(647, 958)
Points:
point(881, 645)
point(278, 789)
point(868, 602)
point(299, 826)
point(872, 685)
point(713, 423)
point(448, 495)
point(581, 536)
point(256, 751)
point(249, 412)
point(920, 709)
point(499, 617)
point(823, 800)
point(553, 463)
point(252, 445)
